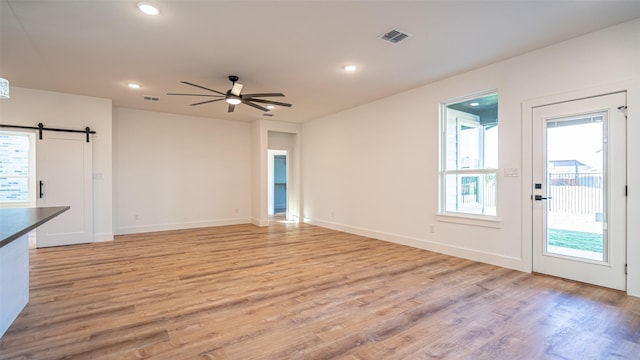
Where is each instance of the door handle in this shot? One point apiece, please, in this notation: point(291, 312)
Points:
point(540, 197)
point(41, 189)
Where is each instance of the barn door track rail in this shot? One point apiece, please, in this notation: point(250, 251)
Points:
point(41, 128)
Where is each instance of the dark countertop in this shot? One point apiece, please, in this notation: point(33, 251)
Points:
point(15, 222)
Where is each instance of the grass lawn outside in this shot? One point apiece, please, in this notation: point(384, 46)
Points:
point(578, 240)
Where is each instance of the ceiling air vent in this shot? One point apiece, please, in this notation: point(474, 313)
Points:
point(393, 36)
point(267, 114)
point(151, 98)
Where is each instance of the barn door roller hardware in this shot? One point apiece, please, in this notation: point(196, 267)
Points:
point(41, 128)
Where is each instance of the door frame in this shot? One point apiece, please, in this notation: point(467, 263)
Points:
point(632, 88)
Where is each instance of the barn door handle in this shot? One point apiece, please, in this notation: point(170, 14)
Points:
point(41, 189)
point(540, 197)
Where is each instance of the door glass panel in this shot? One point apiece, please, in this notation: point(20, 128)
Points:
point(576, 187)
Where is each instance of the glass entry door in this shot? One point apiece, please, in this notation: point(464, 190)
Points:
point(579, 200)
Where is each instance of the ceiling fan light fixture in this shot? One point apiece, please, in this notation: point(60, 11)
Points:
point(148, 8)
point(233, 100)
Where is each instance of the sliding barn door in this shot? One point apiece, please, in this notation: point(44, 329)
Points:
point(64, 173)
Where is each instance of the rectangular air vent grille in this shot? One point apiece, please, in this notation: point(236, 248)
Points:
point(151, 98)
point(394, 36)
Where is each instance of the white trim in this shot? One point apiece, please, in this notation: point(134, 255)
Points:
point(179, 226)
point(467, 219)
point(457, 251)
point(101, 237)
point(32, 239)
point(472, 171)
point(259, 222)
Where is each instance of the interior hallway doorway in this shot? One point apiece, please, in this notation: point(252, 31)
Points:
point(277, 180)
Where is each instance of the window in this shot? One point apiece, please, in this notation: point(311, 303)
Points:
point(17, 169)
point(469, 148)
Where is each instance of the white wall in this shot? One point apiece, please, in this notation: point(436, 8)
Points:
point(373, 170)
point(177, 172)
point(29, 107)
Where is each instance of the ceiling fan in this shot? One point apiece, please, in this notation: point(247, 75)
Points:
point(234, 96)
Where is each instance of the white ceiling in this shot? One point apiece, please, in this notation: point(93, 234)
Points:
point(296, 47)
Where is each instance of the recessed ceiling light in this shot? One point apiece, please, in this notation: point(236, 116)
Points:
point(270, 107)
point(134, 86)
point(474, 104)
point(349, 68)
point(148, 8)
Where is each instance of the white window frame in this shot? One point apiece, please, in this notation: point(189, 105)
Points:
point(490, 220)
point(31, 202)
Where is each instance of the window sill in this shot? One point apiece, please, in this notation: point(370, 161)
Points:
point(25, 204)
point(483, 221)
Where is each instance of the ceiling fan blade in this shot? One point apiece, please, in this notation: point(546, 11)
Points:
point(269, 102)
point(247, 102)
point(206, 102)
point(263, 94)
point(236, 89)
point(231, 108)
point(195, 95)
point(202, 87)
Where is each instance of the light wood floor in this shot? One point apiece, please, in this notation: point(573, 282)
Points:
point(293, 291)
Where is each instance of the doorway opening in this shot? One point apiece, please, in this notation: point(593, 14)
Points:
point(277, 180)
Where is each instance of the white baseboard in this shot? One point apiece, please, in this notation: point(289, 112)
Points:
point(32, 239)
point(179, 226)
point(259, 222)
point(96, 238)
point(466, 253)
point(102, 237)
